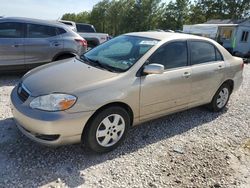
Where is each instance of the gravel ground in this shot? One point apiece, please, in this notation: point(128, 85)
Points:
point(194, 148)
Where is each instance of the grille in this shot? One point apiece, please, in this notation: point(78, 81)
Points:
point(22, 92)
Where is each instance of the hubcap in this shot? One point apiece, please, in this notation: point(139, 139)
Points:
point(222, 98)
point(110, 130)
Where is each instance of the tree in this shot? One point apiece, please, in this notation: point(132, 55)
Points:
point(176, 14)
point(238, 9)
point(122, 16)
point(98, 15)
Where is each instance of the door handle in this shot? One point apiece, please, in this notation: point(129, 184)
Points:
point(56, 44)
point(219, 67)
point(186, 74)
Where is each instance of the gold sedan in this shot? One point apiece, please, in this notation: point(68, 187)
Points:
point(133, 78)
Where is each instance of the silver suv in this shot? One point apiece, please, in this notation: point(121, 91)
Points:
point(26, 43)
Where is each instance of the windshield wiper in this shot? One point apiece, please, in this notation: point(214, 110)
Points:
point(104, 66)
point(97, 63)
point(100, 65)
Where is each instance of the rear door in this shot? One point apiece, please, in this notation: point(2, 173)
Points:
point(11, 44)
point(207, 71)
point(41, 44)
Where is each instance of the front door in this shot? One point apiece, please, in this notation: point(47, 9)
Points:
point(170, 91)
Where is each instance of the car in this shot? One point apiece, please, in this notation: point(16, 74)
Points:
point(26, 43)
point(88, 32)
point(71, 24)
point(130, 79)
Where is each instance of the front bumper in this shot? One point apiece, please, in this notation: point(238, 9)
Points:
point(60, 127)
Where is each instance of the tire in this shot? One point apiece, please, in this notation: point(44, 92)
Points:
point(66, 56)
point(102, 133)
point(220, 98)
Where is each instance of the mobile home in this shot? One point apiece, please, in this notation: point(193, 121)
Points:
point(234, 35)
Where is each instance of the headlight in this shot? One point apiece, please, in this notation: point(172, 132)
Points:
point(53, 102)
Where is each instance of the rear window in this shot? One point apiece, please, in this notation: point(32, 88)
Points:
point(218, 56)
point(60, 31)
point(40, 31)
point(85, 28)
point(68, 23)
point(202, 52)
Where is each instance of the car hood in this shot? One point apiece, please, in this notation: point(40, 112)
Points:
point(64, 76)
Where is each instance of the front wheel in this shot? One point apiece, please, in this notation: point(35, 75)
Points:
point(107, 129)
point(220, 98)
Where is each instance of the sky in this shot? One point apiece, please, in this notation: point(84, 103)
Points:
point(44, 9)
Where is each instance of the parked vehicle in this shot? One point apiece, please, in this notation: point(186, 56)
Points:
point(128, 80)
point(26, 43)
point(88, 32)
point(71, 24)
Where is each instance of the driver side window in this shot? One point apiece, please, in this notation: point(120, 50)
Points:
point(171, 55)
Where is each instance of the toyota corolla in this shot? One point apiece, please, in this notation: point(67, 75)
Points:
point(133, 78)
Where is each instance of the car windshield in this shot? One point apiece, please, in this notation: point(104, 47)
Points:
point(120, 53)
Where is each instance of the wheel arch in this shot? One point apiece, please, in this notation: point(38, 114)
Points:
point(120, 104)
point(65, 53)
point(230, 82)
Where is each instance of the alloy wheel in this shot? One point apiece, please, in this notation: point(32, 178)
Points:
point(222, 98)
point(110, 130)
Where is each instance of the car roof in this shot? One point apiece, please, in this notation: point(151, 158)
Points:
point(33, 20)
point(167, 35)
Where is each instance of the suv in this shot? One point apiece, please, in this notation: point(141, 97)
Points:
point(88, 32)
point(27, 43)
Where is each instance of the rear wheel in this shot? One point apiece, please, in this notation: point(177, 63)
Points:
point(220, 98)
point(107, 130)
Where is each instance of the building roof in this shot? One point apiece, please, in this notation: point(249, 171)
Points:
point(226, 21)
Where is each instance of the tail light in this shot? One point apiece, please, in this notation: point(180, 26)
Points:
point(82, 42)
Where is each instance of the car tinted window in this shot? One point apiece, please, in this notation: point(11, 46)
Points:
point(202, 52)
point(171, 55)
point(60, 31)
point(40, 31)
point(218, 56)
point(67, 23)
point(11, 30)
point(85, 28)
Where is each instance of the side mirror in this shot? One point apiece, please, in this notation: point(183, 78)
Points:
point(153, 69)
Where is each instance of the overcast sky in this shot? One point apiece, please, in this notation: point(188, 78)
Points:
point(44, 9)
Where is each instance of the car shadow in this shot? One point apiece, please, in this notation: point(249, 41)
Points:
point(10, 79)
point(24, 157)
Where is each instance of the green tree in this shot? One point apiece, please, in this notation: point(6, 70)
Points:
point(121, 16)
point(176, 14)
point(237, 9)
